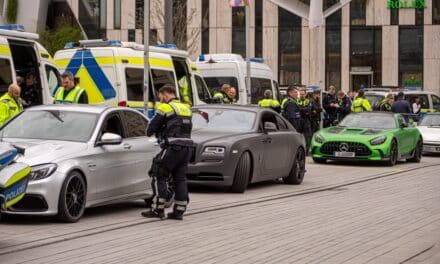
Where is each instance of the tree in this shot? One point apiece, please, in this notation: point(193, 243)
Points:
point(55, 39)
point(11, 11)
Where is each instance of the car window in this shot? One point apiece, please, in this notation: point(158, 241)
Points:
point(268, 117)
point(112, 124)
point(436, 102)
point(281, 124)
point(223, 119)
point(401, 120)
point(369, 121)
point(135, 124)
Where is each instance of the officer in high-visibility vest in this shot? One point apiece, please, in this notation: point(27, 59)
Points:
point(361, 103)
point(226, 95)
point(268, 102)
point(172, 125)
point(184, 90)
point(10, 103)
point(70, 93)
point(386, 103)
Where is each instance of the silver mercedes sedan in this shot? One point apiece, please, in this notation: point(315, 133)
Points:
point(80, 156)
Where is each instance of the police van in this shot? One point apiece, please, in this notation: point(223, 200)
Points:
point(112, 71)
point(219, 69)
point(20, 56)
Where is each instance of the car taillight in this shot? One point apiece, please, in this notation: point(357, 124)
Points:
point(122, 103)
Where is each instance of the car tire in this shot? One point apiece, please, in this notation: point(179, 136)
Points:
point(417, 156)
point(72, 201)
point(296, 174)
point(242, 174)
point(394, 152)
point(319, 160)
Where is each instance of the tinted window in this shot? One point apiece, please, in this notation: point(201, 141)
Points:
point(134, 79)
point(161, 77)
point(369, 121)
point(51, 125)
point(112, 124)
point(281, 124)
point(202, 89)
point(214, 83)
point(223, 119)
point(5, 75)
point(424, 102)
point(258, 86)
point(135, 124)
point(436, 102)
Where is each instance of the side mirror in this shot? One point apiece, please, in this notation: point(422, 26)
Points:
point(269, 127)
point(110, 139)
point(403, 124)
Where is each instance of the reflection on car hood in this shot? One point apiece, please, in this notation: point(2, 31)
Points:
point(353, 131)
point(201, 135)
point(46, 151)
point(430, 133)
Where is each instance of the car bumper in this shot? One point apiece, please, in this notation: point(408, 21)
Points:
point(211, 173)
point(431, 147)
point(41, 197)
point(377, 154)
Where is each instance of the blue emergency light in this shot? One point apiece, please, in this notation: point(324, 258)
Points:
point(69, 45)
point(167, 46)
point(255, 59)
point(413, 88)
point(202, 57)
point(16, 27)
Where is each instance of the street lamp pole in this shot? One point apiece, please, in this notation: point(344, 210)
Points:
point(248, 52)
point(146, 53)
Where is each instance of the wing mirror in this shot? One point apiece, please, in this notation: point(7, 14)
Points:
point(110, 139)
point(403, 124)
point(269, 127)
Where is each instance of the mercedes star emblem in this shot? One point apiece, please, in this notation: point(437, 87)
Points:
point(343, 147)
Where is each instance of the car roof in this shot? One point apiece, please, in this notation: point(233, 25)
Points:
point(93, 109)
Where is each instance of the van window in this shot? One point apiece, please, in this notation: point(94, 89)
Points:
point(258, 86)
point(436, 102)
point(53, 78)
point(183, 80)
point(215, 83)
point(5, 75)
point(202, 90)
point(424, 102)
point(162, 77)
point(276, 87)
point(134, 79)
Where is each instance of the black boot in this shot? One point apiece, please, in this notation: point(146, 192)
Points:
point(178, 210)
point(154, 213)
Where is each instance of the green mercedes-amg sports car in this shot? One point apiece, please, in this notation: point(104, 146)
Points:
point(374, 136)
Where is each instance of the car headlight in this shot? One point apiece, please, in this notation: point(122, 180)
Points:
point(214, 150)
point(43, 171)
point(319, 138)
point(378, 140)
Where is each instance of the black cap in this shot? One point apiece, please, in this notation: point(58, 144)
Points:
point(400, 94)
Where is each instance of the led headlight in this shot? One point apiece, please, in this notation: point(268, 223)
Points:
point(43, 171)
point(214, 150)
point(319, 138)
point(378, 140)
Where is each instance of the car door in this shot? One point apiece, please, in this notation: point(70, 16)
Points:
point(404, 139)
point(110, 161)
point(275, 155)
point(139, 152)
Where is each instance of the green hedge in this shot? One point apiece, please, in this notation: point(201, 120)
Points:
point(55, 39)
point(11, 11)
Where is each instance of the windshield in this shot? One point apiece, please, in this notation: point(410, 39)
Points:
point(51, 125)
point(223, 119)
point(369, 121)
point(430, 120)
point(215, 83)
point(374, 99)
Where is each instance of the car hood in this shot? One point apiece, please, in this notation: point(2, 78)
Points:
point(202, 136)
point(349, 133)
point(46, 151)
point(430, 133)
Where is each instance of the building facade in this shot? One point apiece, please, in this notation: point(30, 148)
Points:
point(365, 43)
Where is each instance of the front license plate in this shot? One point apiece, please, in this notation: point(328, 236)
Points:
point(343, 154)
point(431, 149)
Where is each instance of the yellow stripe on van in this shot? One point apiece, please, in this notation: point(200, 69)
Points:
point(86, 82)
point(62, 63)
point(5, 50)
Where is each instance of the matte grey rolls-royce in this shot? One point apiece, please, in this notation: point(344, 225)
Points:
point(80, 156)
point(238, 145)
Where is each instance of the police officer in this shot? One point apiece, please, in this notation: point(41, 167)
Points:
point(268, 102)
point(70, 93)
point(344, 103)
point(401, 105)
point(361, 103)
point(10, 103)
point(184, 90)
point(315, 116)
point(290, 108)
point(330, 105)
point(386, 103)
point(305, 109)
point(172, 123)
point(226, 95)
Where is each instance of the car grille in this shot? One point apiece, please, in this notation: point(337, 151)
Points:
point(358, 148)
point(32, 203)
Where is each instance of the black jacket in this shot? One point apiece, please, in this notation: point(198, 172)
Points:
point(401, 106)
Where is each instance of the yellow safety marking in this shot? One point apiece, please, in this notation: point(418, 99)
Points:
point(5, 50)
point(87, 83)
point(62, 63)
point(15, 200)
point(18, 176)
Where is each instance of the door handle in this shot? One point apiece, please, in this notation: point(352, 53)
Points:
point(266, 140)
point(91, 165)
point(127, 146)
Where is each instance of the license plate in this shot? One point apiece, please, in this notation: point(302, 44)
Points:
point(431, 149)
point(343, 154)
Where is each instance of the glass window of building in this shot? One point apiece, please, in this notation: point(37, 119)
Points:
point(258, 28)
point(365, 57)
point(328, 3)
point(358, 12)
point(205, 26)
point(92, 14)
point(289, 48)
point(420, 14)
point(436, 12)
point(132, 35)
point(117, 14)
point(411, 56)
point(239, 31)
point(139, 14)
point(333, 50)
